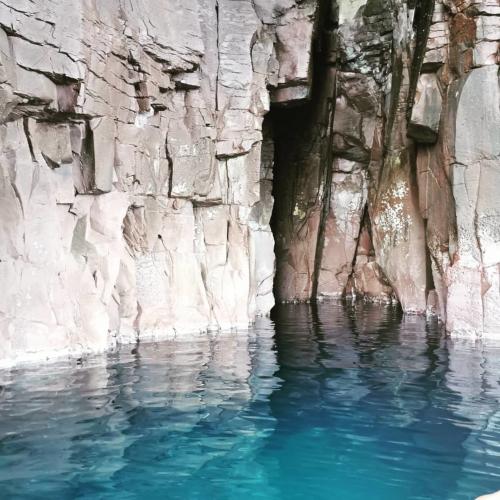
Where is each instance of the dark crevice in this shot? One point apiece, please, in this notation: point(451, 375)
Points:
point(327, 189)
point(424, 10)
point(50, 163)
point(217, 21)
point(303, 167)
point(87, 162)
point(428, 261)
point(365, 223)
point(142, 96)
point(170, 167)
point(328, 60)
point(28, 138)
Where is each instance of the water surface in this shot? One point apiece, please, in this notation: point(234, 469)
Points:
point(330, 402)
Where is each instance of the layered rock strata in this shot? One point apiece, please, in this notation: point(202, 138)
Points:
point(406, 192)
point(144, 143)
point(136, 185)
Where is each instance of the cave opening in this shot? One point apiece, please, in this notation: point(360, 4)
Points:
point(296, 182)
point(301, 132)
point(324, 158)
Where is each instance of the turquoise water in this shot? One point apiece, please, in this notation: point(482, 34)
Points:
point(334, 402)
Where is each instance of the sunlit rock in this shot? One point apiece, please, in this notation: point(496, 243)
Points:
point(175, 167)
point(426, 114)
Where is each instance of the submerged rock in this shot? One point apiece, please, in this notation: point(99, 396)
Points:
point(491, 496)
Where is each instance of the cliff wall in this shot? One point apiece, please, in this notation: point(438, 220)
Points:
point(158, 156)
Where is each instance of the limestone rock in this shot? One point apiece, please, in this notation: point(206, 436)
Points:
point(474, 307)
point(133, 188)
point(170, 167)
point(294, 37)
point(370, 283)
point(347, 205)
point(426, 114)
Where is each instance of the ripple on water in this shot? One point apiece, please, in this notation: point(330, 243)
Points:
point(336, 401)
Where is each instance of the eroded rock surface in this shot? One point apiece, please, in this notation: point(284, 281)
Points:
point(136, 188)
point(402, 203)
point(144, 144)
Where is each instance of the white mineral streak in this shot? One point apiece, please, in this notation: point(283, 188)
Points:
point(393, 221)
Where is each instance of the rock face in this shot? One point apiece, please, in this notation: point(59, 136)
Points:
point(403, 203)
point(144, 144)
point(136, 184)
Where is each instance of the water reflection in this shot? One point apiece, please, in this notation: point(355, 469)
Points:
point(335, 401)
point(390, 397)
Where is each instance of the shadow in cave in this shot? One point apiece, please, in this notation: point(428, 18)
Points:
point(302, 150)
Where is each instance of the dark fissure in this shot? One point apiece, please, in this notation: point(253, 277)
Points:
point(302, 171)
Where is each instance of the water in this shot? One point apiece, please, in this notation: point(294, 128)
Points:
point(335, 402)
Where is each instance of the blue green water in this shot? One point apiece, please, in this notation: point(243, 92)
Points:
point(333, 402)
